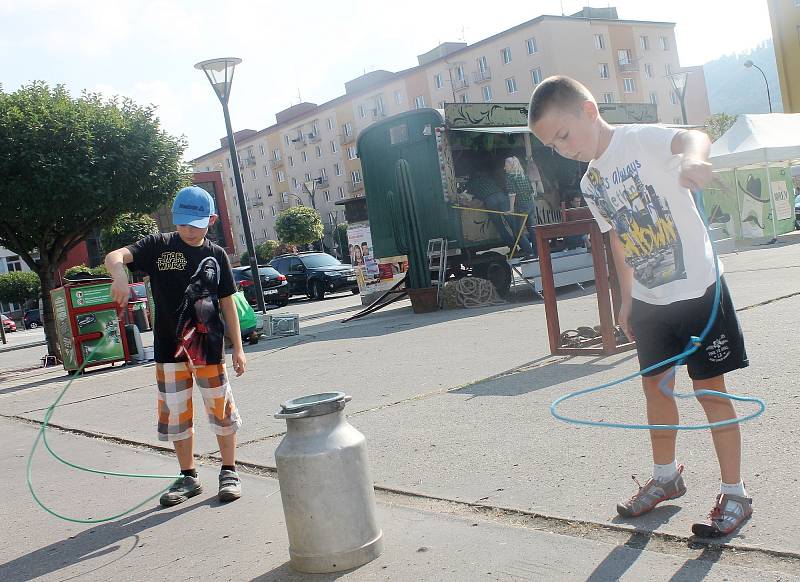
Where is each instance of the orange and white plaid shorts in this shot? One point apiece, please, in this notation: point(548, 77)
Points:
point(175, 412)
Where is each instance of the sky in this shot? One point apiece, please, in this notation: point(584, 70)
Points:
point(146, 49)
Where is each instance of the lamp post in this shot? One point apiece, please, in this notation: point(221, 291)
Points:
point(748, 63)
point(219, 73)
point(678, 81)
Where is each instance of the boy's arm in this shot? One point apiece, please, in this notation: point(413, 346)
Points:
point(234, 333)
point(695, 171)
point(625, 276)
point(115, 263)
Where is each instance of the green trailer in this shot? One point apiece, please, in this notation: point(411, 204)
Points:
point(433, 153)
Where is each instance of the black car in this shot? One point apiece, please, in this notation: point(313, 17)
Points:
point(315, 274)
point(273, 284)
point(32, 319)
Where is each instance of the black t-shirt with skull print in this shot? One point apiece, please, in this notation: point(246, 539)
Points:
point(187, 284)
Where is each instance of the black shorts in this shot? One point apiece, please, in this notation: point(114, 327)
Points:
point(663, 331)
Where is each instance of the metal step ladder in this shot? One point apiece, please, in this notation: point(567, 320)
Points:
point(437, 261)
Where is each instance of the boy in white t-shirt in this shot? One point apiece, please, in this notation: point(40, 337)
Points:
point(639, 186)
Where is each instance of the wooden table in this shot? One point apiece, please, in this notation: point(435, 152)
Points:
point(607, 286)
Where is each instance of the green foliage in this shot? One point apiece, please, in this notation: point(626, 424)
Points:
point(718, 124)
point(73, 165)
point(127, 229)
point(299, 225)
point(99, 270)
point(19, 286)
point(341, 240)
point(264, 253)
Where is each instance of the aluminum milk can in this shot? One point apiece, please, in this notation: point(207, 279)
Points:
point(326, 488)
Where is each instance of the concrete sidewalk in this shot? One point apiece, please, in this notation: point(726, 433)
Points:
point(246, 540)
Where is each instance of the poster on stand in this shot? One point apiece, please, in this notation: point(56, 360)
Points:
point(374, 274)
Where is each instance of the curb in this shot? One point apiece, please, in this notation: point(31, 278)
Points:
point(23, 346)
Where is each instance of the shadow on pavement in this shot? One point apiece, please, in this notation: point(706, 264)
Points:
point(284, 573)
point(91, 543)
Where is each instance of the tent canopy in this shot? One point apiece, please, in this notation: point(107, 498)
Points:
point(758, 139)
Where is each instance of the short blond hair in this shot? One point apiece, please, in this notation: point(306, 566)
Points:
point(557, 91)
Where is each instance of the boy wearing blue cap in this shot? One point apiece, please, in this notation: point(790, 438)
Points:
point(192, 282)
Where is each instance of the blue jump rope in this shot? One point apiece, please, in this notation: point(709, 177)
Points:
point(695, 343)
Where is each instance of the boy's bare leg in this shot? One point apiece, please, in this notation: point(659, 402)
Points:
point(727, 439)
point(184, 449)
point(227, 448)
point(661, 409)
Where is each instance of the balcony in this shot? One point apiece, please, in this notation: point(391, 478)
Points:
point(273, 163)
point(346, 139)
point(628, 67)
point(258, 202)
point(322, 183)
point(249, 161)
point(460, 83)
point(482, 75)
point(353, 187)
point(299, 142)
point(314, 137)
point(378, 113)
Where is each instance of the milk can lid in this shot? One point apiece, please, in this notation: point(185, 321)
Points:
point(313, 405)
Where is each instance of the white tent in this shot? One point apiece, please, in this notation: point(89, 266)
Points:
point(758, 139)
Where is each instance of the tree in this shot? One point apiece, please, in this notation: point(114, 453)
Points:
point(127, 229)
point(19, 286)
point(72, 165)
point(340, 236)
point(718, 124)
point(299, 225)
point(264, 253)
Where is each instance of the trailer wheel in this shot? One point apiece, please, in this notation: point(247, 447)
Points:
point(499, 273)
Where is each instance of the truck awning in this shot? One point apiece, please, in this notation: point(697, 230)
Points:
point(501, 129)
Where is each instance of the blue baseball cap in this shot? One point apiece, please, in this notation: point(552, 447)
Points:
point(192, 206)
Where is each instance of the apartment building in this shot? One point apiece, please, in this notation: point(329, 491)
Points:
point(620, 61)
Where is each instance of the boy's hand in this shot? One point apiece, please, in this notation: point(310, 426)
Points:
point(120, 291)
point(239, 361)
point(694, 174)
point(624, 320)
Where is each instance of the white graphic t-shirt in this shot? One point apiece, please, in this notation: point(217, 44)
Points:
point(633, 188)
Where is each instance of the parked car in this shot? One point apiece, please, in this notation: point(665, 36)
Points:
point(8, 324)
point(32, 319)
point(315, 274)
point(273, 284)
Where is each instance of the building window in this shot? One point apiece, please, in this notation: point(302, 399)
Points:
point(341, 192)
point(323, 173)
point(351, 153)
point(261, 215)
point(672, 98)
point(533, 47)
point(464, 98)
point(487, 93)
point(319, 151)
point(536, 76)
point(511, 85)
point(285, 197)
point(398, 98)
point(361, 112)
point(603, 70)
point(281, 176)
point(506, 54)
point(630, 85)
point(460, 73)
point(667, 69)
point(330, 123)
point(228, 160)
point(379, 107)
point(644, 41)
point(241, 237)
point(648, 70)
point(356, 176)
point(231, 181)
point(239, 218)
point(286, 139)
point(348, 129)
point(419, 102)
point(269, 189)
point(327, 196)
point(13, 263)
point(290, 159)
point(337, 169)
point(482, 66)
point(664, 42)
point(624, 56)
point(276, 155)
point(599, 41)
point(261, 149)
point(315, 128)
point(437, 80)
point(266, 170)
point(295, 183)
point(253, 174)
point(608, 97)
point(236, 201)
point(272, 210)
point(307, 178)
point(653, 97)
point(305, 156)
point(334, 147)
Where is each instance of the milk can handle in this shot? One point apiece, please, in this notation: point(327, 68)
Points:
point(301, 414)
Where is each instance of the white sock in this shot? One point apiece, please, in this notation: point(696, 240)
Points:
point(735, 489)
point(665, 472)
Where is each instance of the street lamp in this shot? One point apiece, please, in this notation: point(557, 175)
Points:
point(219, 73)
point(748, 63)
point(678, 81)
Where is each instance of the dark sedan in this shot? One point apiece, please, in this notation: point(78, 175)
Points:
point(274, 285)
